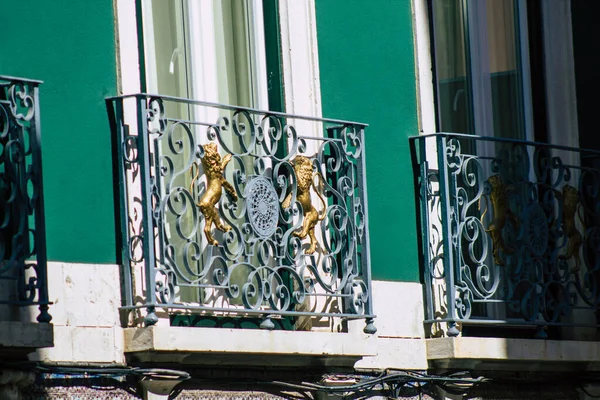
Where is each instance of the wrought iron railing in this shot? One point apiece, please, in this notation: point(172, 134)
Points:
point(23, 275)
point(510, 232)
point(234, 211)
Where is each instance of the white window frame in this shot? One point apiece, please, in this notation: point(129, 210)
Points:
point(559, 70)
point(561, 104)
point(300, 66)
point(299, 51)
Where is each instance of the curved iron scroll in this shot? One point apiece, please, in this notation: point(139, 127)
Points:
point(23, 275)
point(258, 266)
point(511, 231)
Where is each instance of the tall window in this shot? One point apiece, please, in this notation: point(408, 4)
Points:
point(481, 70)
point(213, 50)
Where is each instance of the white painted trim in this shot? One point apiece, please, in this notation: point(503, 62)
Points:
point(129, 62)
point(302, 88)
point(424, 68)
point(149, 53)
point(300, 59)
point(258, 62)
point(202, 34)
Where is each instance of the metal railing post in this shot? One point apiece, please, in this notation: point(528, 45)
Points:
point(147, 214)
point(40, 221)
point(441, 142)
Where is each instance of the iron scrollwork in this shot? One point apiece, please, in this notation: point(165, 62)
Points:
point(531, 254)
point(256, 261)
point(22, 231)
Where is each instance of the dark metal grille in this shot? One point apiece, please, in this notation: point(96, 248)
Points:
point(23, 275)
point(510, 231)
point(259, 266)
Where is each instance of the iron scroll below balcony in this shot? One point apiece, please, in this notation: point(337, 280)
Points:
point(229, 211)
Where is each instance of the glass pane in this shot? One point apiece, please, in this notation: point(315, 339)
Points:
point(201, 50)
point(453, 92)
point(505, 73)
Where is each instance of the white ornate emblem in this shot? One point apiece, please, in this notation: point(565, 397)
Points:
point(262, 206)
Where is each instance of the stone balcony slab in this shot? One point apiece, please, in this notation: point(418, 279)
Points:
point(17, 339)
point(248, 347)
point(512, 354)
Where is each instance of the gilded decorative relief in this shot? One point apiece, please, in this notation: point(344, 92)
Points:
point(502, 213)
point(305, 180)
point(570, 197)
point(213, 169)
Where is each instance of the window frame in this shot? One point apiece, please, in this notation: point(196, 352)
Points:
point(297, 37)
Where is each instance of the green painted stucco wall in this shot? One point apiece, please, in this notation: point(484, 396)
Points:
point(70, 45)
point(367, 71)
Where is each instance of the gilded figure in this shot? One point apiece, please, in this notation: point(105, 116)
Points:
point(570, 197)
point(305, 180)
point(502, 213)
point(215, 182)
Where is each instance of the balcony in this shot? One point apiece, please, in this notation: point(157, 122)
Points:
point(510, 239)
point(239, 218)
point(23, 276)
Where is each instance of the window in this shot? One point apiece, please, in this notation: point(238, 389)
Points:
point(504, 68)
point(481, 67)
point(211, 50)
point(234, 52)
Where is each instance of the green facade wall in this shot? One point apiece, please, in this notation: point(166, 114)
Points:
point(70, 45)
point(366, 61)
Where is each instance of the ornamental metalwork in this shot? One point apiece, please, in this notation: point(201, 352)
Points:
point(232, 239)
point(23, 277)
point(215, 183)
point(511, 232)
point(305, 176)
point(262, 206)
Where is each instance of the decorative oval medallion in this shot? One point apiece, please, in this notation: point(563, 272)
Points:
point(538, 229)
point(262, 206)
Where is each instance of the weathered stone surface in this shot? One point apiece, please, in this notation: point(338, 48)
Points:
point(514, 354)
point(29, 335)
point(84, 345)
point(399, 353)
point(84, 294)
point(178, 344)
point(85, 300)
point(399, 309)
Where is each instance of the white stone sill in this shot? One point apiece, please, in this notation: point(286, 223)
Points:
point(553, 354)
point(248, 341)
